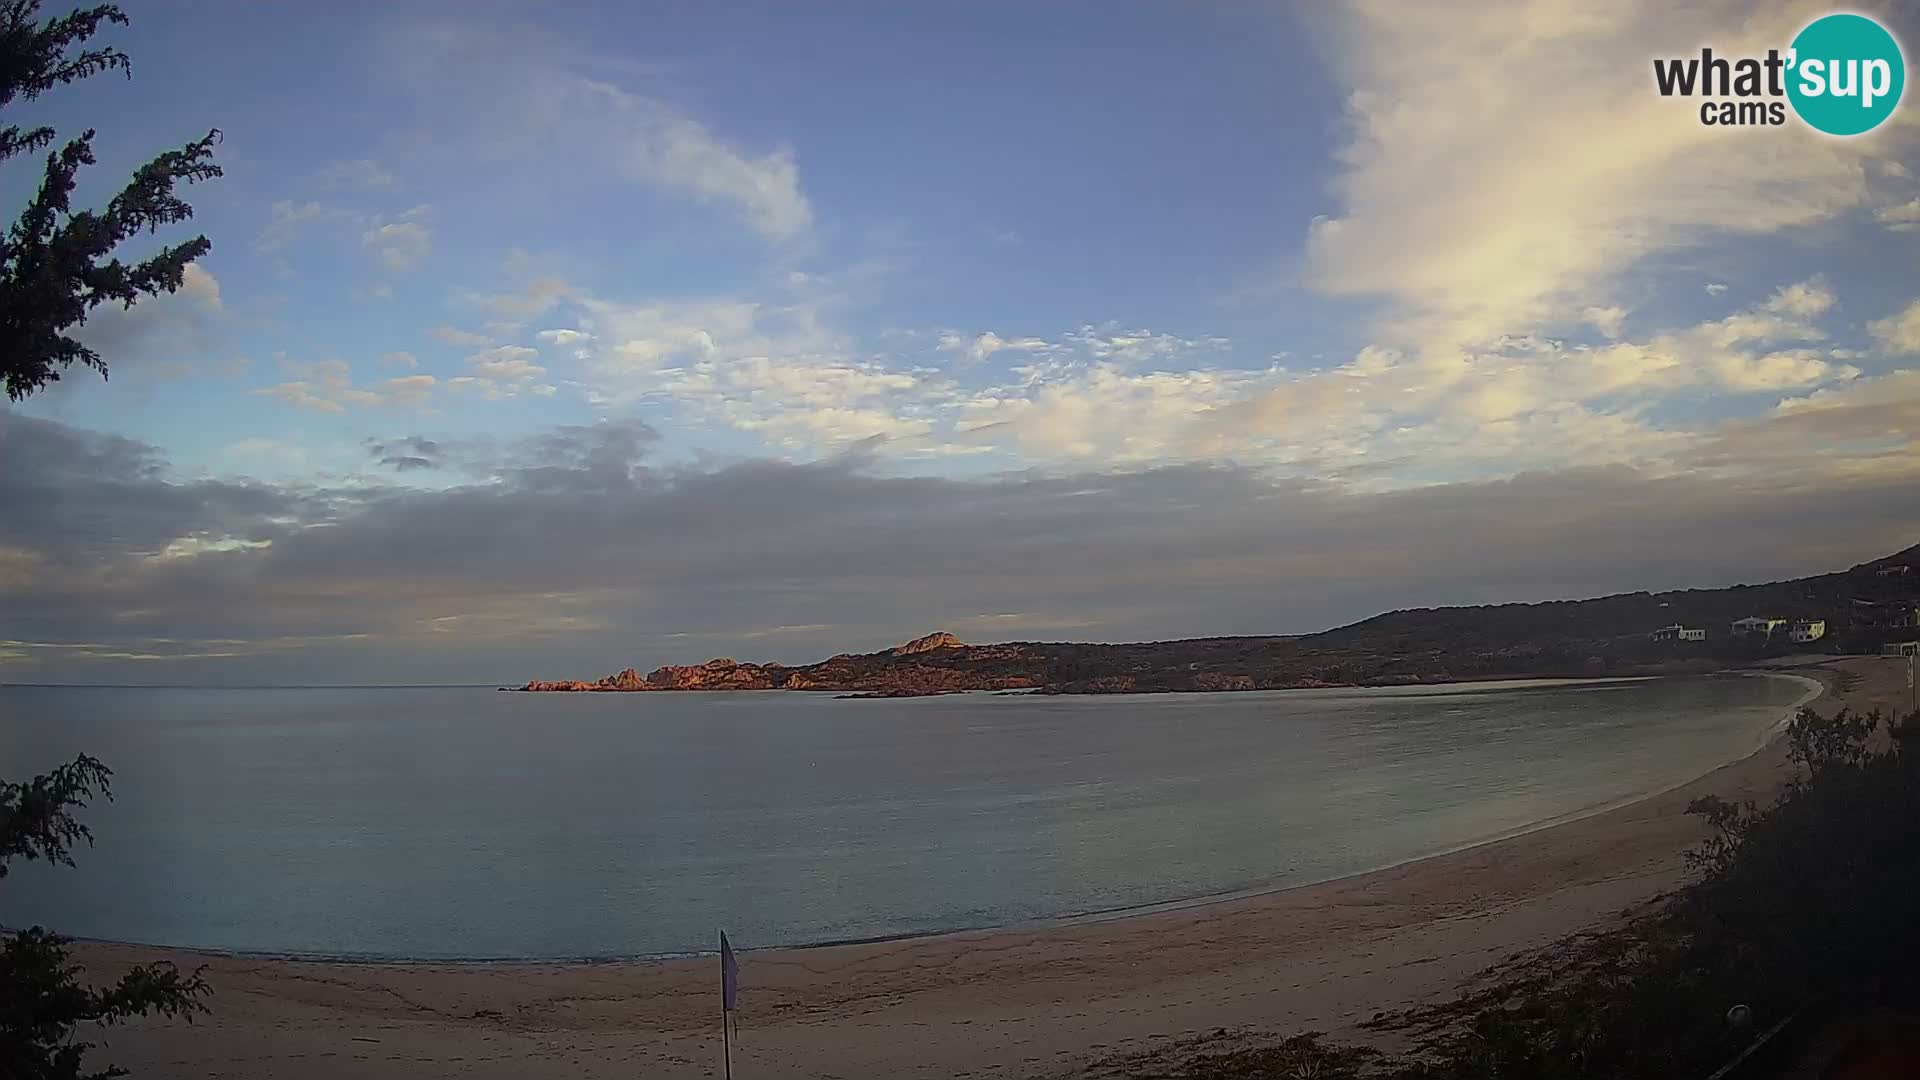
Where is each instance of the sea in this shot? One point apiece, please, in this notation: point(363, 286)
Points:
point(459, 823)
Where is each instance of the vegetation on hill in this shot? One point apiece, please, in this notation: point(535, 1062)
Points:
point(1568, 638)
point(1802, 922)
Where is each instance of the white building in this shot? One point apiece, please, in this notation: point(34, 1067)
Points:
point(1676, 632)
point(1755, 626)
point(1900, 648)
point(1804, 630)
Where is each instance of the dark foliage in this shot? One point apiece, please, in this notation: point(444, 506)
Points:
point(56, 263)
point(34, 822)
point(43, 1003)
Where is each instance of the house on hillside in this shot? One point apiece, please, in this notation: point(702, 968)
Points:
point(1756, 626)
point(1676, 632)
point(1805, 630)
point(1900, 570)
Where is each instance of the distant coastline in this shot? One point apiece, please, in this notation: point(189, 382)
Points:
point(1692, 631)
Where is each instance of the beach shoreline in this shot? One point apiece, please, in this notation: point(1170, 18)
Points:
point(1038, 999)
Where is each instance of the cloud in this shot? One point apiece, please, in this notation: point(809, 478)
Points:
point(456, 336)
point(981, 346)
point(1902, 217)
point(659, 146)
point(400, 360)
point(1108, 392)
point(532, 298)
point(402, 244)
point(1607, 320)
point(806, 403)
point(1899, 333)
point(507, 363)
point(1503, 195)
point(288, 219)
point(508, 94)
point(363, 174)
point(327, 386)
point(608, 554)
point(1716, 288)
point(406, 454)
point(164, 335)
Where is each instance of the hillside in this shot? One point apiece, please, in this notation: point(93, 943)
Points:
point(1864, 607)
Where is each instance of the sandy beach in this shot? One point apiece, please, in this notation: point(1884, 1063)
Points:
point(1055, 1000)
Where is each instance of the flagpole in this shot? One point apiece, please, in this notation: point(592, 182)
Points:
point(726, 1036)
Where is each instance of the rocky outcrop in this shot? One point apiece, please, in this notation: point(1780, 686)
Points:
point(1566, 638)
point(718, 674)
point(626, 680)
point(937, 640)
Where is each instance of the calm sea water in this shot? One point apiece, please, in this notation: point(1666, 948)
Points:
point(445, 823)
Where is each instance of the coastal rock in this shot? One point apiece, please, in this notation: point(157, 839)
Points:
point(721, 673)
point(1214, 681)
point(937, 640)
point(626, 680)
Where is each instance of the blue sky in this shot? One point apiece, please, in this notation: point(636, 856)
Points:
point(1310, 248)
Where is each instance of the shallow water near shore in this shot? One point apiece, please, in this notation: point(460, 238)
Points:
point(444, 823)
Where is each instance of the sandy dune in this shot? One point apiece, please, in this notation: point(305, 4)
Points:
point(994, 1003)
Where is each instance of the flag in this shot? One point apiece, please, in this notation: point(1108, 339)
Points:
point(729, 975)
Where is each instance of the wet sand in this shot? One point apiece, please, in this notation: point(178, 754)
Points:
point(1016, 1002)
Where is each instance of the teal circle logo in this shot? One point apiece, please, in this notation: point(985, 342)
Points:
point(1846, 74)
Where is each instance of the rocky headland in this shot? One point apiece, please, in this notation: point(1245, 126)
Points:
point(1864, 608)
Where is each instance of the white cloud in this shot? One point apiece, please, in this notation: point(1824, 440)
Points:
point(1899, 333)
point(1716, 288)
point(521, 97)
point(804, 402)
point(1132, 396)
point(1107, 341)
point(1101, 411)
point(1493, 197)
point(453, 335)
point(1902, 217)
point(981, 346)
point(632, 341)
point(563, 337)
point(402, 244)
point(1607, 320)
point(288, 219)
point(1112, 342)
point(164, 336)
point(532, 298)
point(400, 360)
point(363, 174)
point(199, 286)
point(327, 386)
point(507, 363)
point(1806, 298)
point(654, 144)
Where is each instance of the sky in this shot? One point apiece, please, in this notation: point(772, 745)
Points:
point(541, 341)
